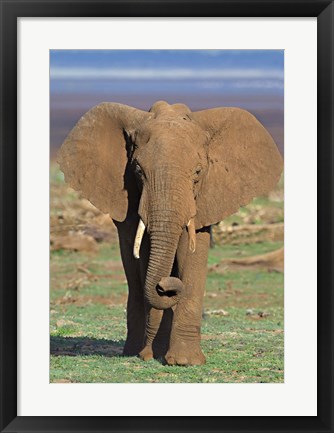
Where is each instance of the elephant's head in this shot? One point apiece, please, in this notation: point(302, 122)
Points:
point(172, 167)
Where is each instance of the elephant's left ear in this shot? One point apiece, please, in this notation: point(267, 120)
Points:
point(94, 156)
point(244, 162)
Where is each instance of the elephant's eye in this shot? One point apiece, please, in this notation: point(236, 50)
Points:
point(138, 170)
point(198, 170)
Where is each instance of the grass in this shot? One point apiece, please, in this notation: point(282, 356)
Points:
point(88, 322)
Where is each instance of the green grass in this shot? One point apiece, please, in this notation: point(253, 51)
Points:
point(88, 322)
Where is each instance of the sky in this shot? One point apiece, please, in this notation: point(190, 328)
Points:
point(233, 71)
point(250, 79)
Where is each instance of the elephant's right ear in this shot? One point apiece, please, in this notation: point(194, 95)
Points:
point(93, 157)
point(244, 162)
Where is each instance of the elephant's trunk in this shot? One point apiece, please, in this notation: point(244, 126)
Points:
point(169, 205)
point(161, 290)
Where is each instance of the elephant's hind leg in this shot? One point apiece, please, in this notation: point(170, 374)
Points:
point(161, 341)
point(158, 329)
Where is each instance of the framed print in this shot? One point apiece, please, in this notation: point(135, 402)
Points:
point(76, 353)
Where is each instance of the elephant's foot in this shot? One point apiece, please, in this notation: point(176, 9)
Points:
point(146, 354)
point(185, 353)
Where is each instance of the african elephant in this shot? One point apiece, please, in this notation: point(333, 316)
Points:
point(165, 176)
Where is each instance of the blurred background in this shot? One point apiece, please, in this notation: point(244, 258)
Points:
point(243, 312)
point(80, 79)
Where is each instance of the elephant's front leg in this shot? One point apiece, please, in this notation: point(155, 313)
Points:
point(184, 348)
point(136, 317)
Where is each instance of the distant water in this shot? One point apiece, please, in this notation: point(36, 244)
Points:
point(66, 108)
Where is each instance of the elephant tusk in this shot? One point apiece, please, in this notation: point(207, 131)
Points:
point(138, 239)
point(192, 235)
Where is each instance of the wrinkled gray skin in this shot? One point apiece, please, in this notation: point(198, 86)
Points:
point(178, 172)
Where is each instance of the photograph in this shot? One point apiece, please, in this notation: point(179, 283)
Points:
point(166, 216)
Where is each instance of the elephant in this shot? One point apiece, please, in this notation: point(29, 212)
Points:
point(165, 176)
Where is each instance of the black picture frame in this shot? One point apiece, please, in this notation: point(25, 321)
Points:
point(10, 11)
